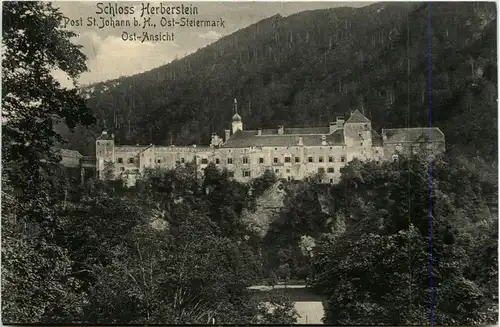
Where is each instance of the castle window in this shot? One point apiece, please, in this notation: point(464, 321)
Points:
point(245, 160)
point(275, 148)
point(288, 178)
point(277, 171)
point(130, 160)
point(361, 143)
point(217, 161)
point(288, 171)
point(321, 170)
point(297, 159)
point(246, 173)
point(230, 173)
point(122, 168)
point(342, 159)
point(288, 159)
point(331, 170)
point(310, 159)
point(182, 160)
point(331, 180)
point(376, 151)
point(330, 159)
point(230, 161)
point(320, 159)
point(275, 160)
point(261, 160)
point(158, 161)
point(204, 161)
point(120, 160)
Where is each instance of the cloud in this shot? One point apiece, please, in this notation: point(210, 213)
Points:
point(63, 78)
point(210, 35)
point(110, 57)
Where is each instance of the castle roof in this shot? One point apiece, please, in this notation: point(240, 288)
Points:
point(69, 153)
point(357, 117)
point(413, 135)
point(299, 130)
point(130, 148)
point(250, 138)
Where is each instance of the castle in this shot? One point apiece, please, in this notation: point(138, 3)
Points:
point(292, 153)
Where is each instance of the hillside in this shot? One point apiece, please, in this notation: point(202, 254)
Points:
point(302, 69)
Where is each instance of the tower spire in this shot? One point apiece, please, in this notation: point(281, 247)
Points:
point(237, 123)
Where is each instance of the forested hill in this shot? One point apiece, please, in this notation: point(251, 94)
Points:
point(302, 69)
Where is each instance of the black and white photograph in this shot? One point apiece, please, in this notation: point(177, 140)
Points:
point(249, 163)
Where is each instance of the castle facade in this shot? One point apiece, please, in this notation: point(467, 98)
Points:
point(292, 153)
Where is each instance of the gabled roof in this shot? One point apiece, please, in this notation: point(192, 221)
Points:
point(413, 135)
point(357, 117)
point(250, 138)
point(68, 153)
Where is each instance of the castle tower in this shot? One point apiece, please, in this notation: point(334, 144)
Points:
point(358, 131)
point(105, 152)
point(237, 122)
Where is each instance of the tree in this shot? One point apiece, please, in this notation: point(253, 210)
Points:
point(109, 170)
point(383, 256)
point(32, 102)
point(280, 310)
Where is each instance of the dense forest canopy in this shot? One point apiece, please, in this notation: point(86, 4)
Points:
point(302, 69)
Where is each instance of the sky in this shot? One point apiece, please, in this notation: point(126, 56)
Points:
point(110, 57)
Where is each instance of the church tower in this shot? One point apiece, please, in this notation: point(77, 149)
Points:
point(237, 122)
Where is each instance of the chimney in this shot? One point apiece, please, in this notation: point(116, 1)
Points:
point(340, 121)
point(323, 139)
point(259, 132)
point(333, 126)
point(227, 134)
point(300, 141)
point(281, 130)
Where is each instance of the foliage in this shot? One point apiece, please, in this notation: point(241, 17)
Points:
point(279, 307)
point(263, 183)
point(36, 281)
point(378, 269)
point(109, 168)
point(300, 216)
